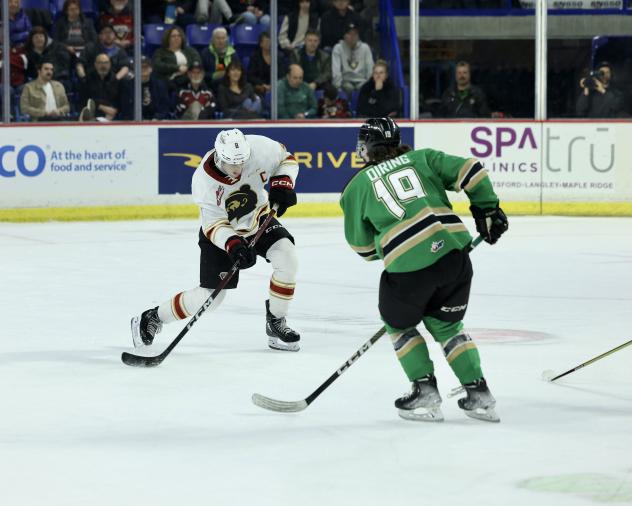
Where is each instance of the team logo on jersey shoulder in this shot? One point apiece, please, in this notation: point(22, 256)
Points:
point(437, 245)
point(219, 194)
point(240, 203)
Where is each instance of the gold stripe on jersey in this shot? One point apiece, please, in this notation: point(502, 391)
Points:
point(410, 243)
point(212, 230)
point(477, 178)
point(367, 252)
point(254, 221)
point(463, 173)
point(404, 225)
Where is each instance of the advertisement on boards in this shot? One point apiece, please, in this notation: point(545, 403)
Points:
point(326, 155)
point(75, 166)
point(530, 162)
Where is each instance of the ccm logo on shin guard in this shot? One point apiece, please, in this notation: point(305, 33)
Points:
point(453, 309)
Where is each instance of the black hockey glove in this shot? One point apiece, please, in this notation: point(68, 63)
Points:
point(490, 223)
point(238, 251)
point(282, 193)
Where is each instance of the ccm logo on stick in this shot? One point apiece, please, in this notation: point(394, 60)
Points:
point(30, 161)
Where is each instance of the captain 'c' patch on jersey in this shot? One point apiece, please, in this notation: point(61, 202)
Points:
point(240, 203)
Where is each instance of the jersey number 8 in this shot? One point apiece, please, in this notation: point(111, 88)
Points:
point(407, 187)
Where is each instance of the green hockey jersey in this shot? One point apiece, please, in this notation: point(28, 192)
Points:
point(398, 210)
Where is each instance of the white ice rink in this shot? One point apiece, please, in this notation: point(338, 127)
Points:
point(77, 427)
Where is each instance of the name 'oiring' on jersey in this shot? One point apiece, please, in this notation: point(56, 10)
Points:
point(229, 206)
point(398, 210)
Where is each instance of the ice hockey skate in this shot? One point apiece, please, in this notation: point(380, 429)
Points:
point(423, 403)
point(280, 336)
point(479, 402)
point(145, 327)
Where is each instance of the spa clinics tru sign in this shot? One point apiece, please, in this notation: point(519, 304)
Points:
point(525, 158)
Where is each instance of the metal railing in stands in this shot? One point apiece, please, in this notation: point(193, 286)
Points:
point(401, 8)
point(389, 49)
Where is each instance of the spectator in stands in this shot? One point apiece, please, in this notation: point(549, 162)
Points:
point(351, 61)
point(100, 91)
point(217, 56)
point(154, 93)
point(295, 26)
point(379, 97)
point(296, 100)
point(17, 69)
point(168, 12)
point(173, 58)
point(73, 29)
point(331, 106)
point(251, 12)
point(195, 100)
point(259, 65)
point(335, 21)
point(120, 17)
point(40, 47)
point(213, 11)
point(105, 44)
point(598, 98)
point(315, 62)
point(236, 97)
point(44, 99)
point(463, 99)
point(19, 23)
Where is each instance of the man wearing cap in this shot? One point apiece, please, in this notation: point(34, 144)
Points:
point(195, 100)
point(334, 22)
point(154, 93)
point(106, 45)
point(352, 61)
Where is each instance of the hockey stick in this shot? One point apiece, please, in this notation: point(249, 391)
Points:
point(550, 375)
point(152, 361)
point(294, 406)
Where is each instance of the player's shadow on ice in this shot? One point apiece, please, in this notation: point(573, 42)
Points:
point(104, 356)
point(594, 391)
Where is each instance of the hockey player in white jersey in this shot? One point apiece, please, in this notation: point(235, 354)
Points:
point(229, 187)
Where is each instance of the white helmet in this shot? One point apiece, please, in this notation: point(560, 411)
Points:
point(232, 149)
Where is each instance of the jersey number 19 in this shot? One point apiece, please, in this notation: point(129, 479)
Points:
point(406, 186)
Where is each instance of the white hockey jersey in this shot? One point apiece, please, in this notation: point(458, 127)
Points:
point(233, 206)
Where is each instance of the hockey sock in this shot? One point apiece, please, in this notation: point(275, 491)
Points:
point(185, 304)
point(412, 352)
point(458, 348)
point(282, 256)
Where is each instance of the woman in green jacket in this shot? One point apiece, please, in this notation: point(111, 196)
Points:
point(173, 59)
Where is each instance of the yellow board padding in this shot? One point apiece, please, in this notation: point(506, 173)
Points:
point(302, 210)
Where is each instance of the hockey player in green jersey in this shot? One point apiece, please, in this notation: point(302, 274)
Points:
point(396, 209)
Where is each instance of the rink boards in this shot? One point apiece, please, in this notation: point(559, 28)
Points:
point(126, 171)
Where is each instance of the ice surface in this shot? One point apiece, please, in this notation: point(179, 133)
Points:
point(77, 427)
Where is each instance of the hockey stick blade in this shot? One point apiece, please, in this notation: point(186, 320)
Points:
point(550, 376)
point(141, 361)
point(279, 406)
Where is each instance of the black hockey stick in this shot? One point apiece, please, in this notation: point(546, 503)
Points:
point(550, 375)
point(294, 406)
point(152, 361)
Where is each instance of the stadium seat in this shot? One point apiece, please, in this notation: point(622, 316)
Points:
point(245, 61)
point(246, 35)
point(87, 8)
point(353, 101)
point(199, 36)
point(36, 4)
point(153, 34)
